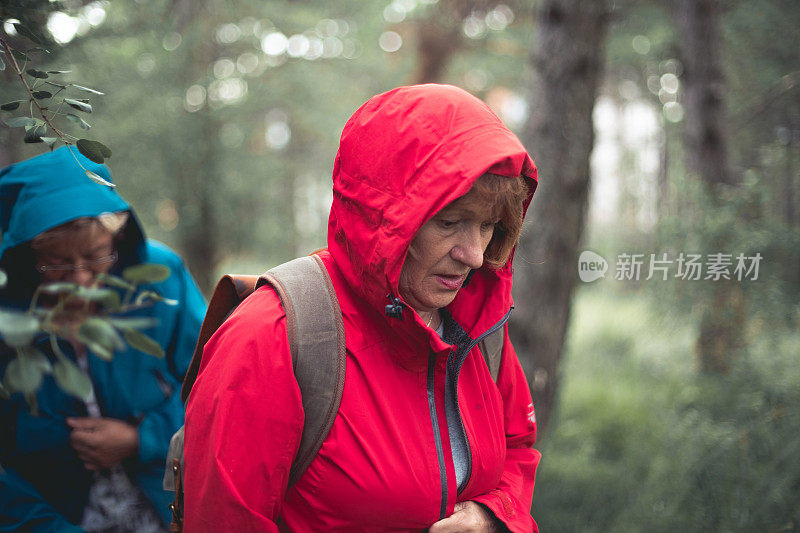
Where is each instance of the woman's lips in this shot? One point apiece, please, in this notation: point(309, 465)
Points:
point(452, 283)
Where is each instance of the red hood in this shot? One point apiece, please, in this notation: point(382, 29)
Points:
point(403, 156)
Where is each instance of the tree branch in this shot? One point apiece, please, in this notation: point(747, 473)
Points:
point(13, 62)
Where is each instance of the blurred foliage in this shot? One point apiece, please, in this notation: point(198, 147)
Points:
point(641, 441)
point(92, 316)
point(661, 207)
point(644, 444)
point(44, 102)
point(202, 111)
point(746, 224)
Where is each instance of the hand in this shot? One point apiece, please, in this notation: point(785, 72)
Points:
point(103, 442)
point(467, 516)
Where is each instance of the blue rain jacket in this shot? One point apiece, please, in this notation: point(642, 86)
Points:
point(43, 485)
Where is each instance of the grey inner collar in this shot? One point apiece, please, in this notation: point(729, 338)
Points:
point(454, 334)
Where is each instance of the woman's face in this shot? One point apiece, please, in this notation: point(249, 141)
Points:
point(443, 252)
point(78, 256)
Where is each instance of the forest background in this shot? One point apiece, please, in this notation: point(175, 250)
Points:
point(658, 277)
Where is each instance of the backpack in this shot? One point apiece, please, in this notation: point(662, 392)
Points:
point(315, 332)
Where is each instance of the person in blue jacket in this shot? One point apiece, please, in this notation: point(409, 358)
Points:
point(93, 465)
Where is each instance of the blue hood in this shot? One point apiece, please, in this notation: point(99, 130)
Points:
point(48, 190)
point(44, 192)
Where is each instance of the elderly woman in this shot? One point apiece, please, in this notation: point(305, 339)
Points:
point(91, 464)
point(429, 193)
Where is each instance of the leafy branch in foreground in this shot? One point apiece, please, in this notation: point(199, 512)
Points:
point(92, 316)
point(47, 97)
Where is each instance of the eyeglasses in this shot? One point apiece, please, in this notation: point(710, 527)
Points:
point(92, 264)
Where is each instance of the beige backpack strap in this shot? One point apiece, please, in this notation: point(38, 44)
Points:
point(316, 340)
point(491, 348)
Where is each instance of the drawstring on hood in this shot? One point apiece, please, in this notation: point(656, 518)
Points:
point(394, 309)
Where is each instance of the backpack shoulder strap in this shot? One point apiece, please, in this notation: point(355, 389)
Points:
point(316, 340)
point(492, 350)
point(229, 293)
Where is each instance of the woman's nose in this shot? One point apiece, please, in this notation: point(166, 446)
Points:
point(469, 250)
point(81, 276)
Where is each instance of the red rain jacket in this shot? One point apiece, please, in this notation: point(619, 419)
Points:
point(386, 464)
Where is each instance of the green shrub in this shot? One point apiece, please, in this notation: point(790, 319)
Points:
point(641, 443)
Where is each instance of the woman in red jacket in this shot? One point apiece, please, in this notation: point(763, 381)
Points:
point(429, 193)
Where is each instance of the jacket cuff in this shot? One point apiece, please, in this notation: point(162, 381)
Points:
point(507, 511)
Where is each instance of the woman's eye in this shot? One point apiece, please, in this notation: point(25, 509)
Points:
point(447, 224)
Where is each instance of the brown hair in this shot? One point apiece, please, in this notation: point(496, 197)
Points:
point(507, 197)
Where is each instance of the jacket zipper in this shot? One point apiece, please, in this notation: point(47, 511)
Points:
point(437, 434)
point(472, 345)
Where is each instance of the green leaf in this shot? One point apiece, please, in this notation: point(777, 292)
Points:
point(72, 379)
point(107, 297)
point(77, 104)
point(59, 287)
point(97, 178)
point(143, 343)
point(146, 273)
point(133, 322)
point(26, 32)
point(34, 134)
point(50, 141)
point(100, 336)
point(93, 150)
point(87, 89)
point(22, 376)
point(16, 328)
point(78, 120)
point(143, 296)
point(54, 84)
point(3, 278)
point(39, 95)
point(2, 64)
point(10, 106)
point(21, 55)
point(40, 74)
point(17, 122)
point(35, 357)
point(59, 72)
point(103, 148)
point(114, 281)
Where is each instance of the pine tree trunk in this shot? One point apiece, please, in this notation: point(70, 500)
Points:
point(438, 38)
point(197, 173)
point(698, 23)
point(567, 60)
point(722, 322)
point(789, 177)
point(197, 178)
